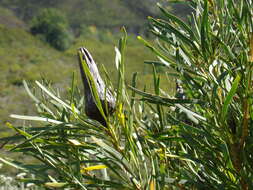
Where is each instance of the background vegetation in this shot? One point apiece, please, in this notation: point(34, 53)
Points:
point(53, 28)
point(80, 12)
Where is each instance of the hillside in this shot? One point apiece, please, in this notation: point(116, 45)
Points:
point(102, 14)
point(25, 57)
point(9, 19)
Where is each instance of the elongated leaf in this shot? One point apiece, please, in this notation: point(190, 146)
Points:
point(164, 100)
point(178, 21)
point(172, 29)
point(36, 99)
point(91, 168)
point(229, 98)
point(153, 49)
point(13, 164)
point(204, 31)
point(55, 185)
point(35, 118)
point(115, 154)
point(56, 98)
point(21, 132)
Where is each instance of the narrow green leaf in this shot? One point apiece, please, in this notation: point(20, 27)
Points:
point(165, 100)
point(35, 118)
point(55, 97)
point(15, 165)
point(36, 99)
point(179, 22)
point(204, 31)
point(172, 29)
point(55, 185)
point(21, 132)
point(134, 78)
point(229, 98)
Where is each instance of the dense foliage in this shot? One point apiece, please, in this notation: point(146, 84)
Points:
point(53, 27)
point(213, 57)
point(201, 140)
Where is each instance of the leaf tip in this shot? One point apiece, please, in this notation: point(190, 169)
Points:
point(8, 124)
point(139, 37)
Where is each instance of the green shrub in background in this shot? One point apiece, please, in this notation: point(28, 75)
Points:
point(155, 141)
point(52, 25)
